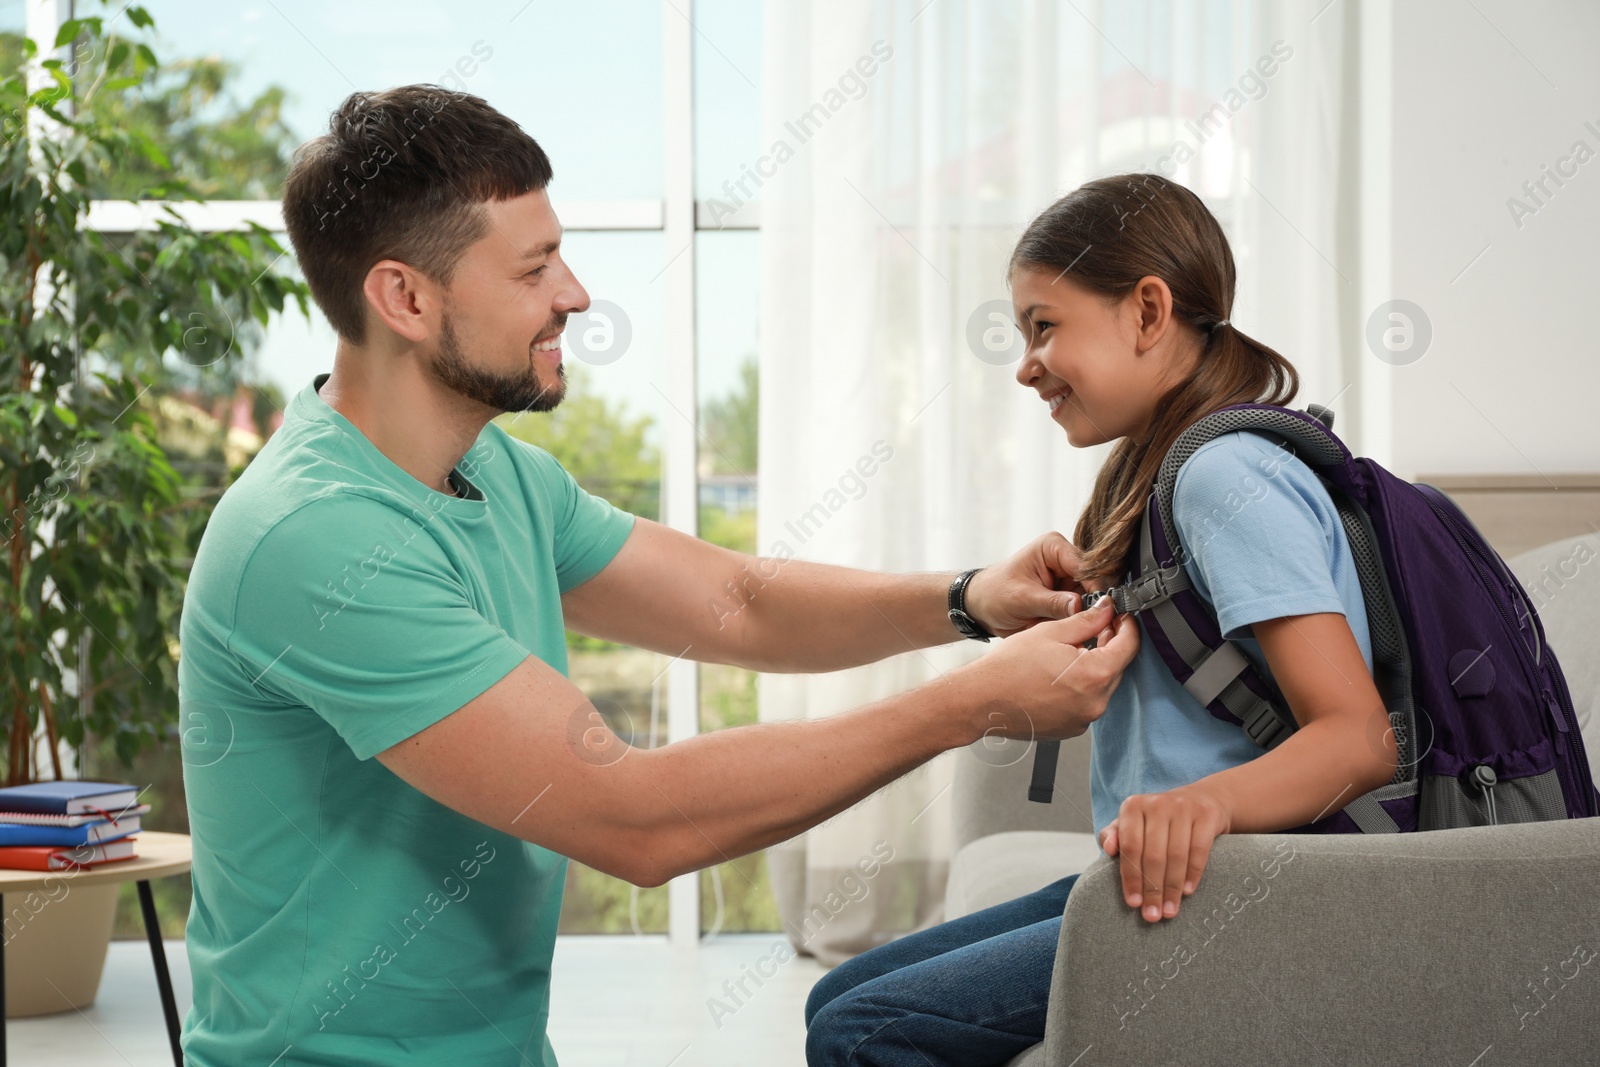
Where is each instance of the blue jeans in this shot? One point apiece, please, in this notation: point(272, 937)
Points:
point(971, 991)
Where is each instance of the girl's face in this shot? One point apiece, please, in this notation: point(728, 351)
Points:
point(1100, 365)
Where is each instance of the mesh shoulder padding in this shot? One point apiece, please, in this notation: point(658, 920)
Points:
point(1391, 657)
point(1311, 441)
point(1388, 641)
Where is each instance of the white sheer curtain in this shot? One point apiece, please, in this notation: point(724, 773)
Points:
point(909, 145)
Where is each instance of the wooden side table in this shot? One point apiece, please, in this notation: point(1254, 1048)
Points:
point(159, 855)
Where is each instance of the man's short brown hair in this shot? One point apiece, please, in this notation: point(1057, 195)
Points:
point(403, 174)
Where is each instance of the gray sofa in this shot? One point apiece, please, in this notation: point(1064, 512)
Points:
point(1472, 947)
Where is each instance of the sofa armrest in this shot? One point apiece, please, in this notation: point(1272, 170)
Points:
point(1406, 948)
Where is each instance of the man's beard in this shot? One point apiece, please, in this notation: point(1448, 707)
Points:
point(503, 392)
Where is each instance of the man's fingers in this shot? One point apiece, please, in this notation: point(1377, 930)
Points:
point(1123, 643)
point(1058, 605)
point(1029, 606)
point(1084, 625)
point(1108, 840)
point(1062, 558)
point(1050, 604)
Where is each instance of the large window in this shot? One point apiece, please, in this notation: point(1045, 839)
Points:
point(613, 90)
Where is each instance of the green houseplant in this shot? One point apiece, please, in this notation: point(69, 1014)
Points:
point(97, 525)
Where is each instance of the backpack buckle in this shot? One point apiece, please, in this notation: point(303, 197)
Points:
point(1148, 590)
point(1263, 726)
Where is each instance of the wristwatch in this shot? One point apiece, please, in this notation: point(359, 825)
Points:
point(963, 621)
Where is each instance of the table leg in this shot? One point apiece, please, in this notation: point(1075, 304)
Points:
point(2, 996)
point(169, 1004)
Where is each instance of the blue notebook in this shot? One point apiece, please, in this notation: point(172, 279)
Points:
point(68, 798)
point(68, 836)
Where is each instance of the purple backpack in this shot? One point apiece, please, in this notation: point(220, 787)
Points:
point(1481, 714)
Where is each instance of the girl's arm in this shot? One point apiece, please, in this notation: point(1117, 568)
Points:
point(1344, 748)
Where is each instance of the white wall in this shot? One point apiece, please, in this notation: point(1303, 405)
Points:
point(1511, 381)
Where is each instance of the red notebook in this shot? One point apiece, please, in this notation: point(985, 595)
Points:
point(64, 857)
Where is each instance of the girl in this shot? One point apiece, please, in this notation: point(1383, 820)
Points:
point(1123, 290)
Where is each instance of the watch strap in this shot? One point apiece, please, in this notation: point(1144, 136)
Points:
point(957, 608)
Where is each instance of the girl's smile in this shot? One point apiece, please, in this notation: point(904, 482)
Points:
point(1102, 365)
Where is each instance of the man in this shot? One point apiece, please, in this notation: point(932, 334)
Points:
point(386, 765)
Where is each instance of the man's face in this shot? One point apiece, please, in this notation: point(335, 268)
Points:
point(505, 309)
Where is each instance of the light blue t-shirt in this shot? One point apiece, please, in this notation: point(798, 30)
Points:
point(1263, 541)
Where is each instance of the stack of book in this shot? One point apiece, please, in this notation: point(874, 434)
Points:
point(54, 826)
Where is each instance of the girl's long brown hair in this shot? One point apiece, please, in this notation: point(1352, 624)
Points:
point(1106, 235)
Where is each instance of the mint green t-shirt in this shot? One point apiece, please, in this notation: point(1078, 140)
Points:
point(337, 606)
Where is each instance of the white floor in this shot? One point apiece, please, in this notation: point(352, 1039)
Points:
point(617, 1000)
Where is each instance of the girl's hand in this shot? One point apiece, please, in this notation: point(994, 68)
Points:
point(1164, 839)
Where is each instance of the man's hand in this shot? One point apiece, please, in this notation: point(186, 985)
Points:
point(1043, 683)
point(1040, 582)
point(1164, 840)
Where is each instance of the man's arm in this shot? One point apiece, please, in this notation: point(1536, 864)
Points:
point(672, 593)
point(532, 757)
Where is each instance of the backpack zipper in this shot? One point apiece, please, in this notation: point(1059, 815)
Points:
point(1585, 778)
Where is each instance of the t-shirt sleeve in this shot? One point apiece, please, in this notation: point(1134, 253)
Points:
point(1259, 530)
point(353, 610)
point(588, 530)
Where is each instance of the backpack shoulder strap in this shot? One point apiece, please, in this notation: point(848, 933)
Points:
point(1185, 632)
point(1308, 433)
point(1181, 625)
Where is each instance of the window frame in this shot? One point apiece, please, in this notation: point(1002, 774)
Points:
point(677, 215)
